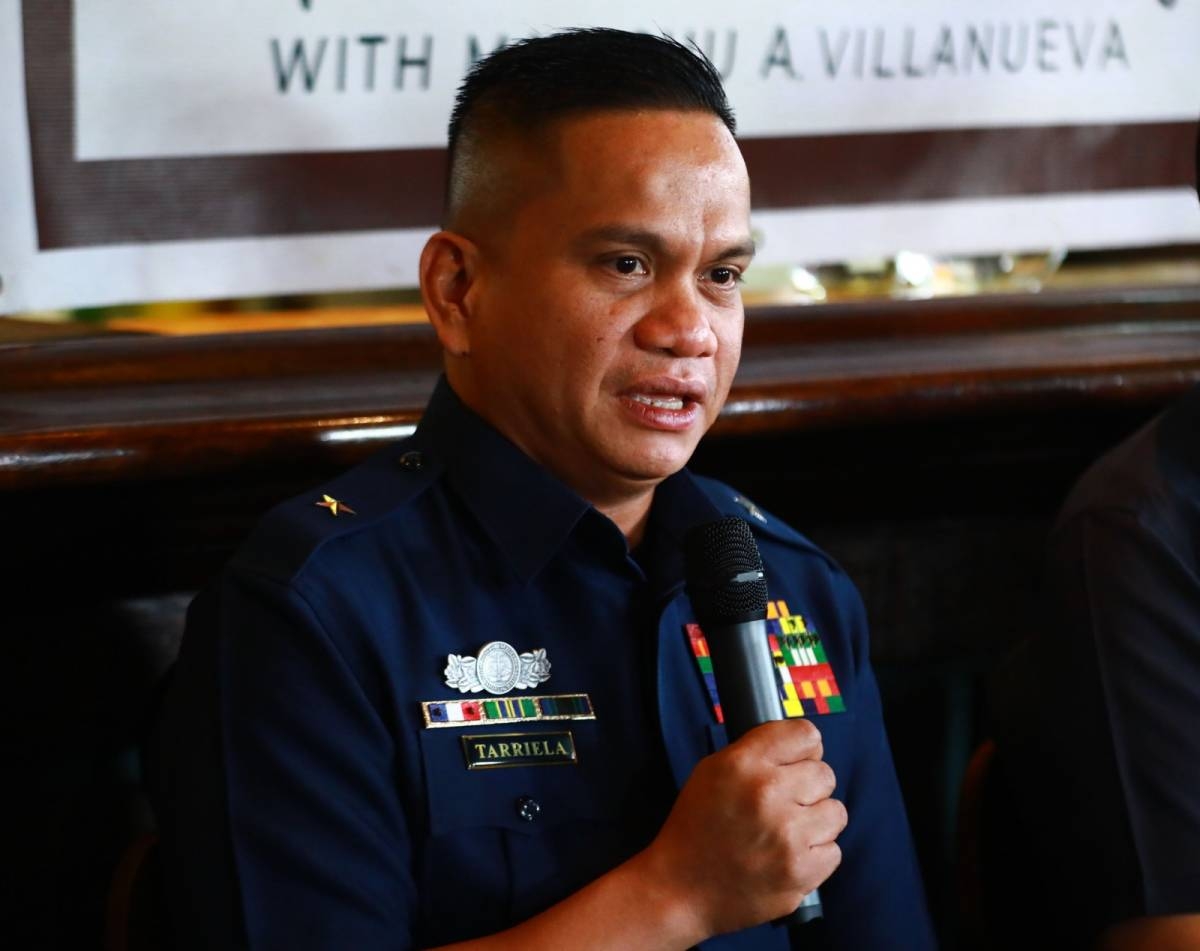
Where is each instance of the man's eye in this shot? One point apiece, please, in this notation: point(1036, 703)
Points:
point(628, 265)
point(724, 275)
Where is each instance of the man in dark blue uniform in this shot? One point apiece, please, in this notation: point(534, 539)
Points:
point(458, 694)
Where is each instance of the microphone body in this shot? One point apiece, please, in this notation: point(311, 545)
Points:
point(745, 674)
point(727, 587)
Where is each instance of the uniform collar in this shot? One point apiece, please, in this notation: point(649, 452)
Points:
point(679, 504)
point(525, 510)
point(528, 512)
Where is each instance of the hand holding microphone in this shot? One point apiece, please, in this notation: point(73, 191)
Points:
point(754, 830)
point(728, 590)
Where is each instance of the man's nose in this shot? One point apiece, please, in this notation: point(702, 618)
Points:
point(679, 323)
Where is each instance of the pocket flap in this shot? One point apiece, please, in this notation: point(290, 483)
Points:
point(535, 792)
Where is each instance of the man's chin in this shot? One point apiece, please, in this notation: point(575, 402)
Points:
point(654, 467)
point(639, 460)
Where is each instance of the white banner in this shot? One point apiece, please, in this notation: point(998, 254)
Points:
point(227, 77)
point(152, 149)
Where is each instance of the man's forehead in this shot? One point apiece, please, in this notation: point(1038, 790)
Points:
point(616, 124)
point(645, 144)
point(598, 159)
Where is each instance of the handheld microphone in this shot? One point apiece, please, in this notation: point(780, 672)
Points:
point(727, 588)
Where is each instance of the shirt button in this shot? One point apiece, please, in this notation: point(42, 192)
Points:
point(412, 461)
point(528, 808)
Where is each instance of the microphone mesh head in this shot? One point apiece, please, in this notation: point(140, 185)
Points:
point(714, 555)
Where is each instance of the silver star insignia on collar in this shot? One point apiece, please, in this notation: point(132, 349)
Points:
point(750, 507)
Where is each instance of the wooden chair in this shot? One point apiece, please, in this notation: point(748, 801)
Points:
point(1000, 905)
point(973, 849)
point(135, 915)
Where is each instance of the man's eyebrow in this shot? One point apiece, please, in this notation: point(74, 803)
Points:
point(743, 249)
point(651, 241)
point(621, 234)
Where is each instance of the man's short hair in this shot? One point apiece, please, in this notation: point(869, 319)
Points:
point(523, 87)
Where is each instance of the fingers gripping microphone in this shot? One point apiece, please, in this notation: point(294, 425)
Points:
point(727, 588)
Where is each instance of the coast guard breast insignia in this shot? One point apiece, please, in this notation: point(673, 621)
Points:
point(497, 668)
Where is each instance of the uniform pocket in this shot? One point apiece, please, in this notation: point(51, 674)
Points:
point(515, 839)
point(520, 798)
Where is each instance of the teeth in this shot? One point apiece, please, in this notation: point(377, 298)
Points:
point(658, 402)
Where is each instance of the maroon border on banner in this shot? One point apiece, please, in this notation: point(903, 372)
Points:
point(968, 163)
point(83, 204)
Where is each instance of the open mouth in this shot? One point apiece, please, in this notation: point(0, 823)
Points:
point(666, 404)
point(659, 402)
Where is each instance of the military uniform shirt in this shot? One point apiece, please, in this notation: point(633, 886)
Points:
point(305, 804)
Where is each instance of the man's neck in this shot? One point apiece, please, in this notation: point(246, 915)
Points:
point(630, 516)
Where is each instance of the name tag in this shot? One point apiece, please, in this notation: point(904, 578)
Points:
point(486, 750)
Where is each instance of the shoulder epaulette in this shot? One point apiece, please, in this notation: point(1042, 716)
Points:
point(293, 531)
point(731, 502)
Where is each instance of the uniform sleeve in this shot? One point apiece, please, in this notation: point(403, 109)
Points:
point(1128, 653)
point(315, 851)
point(876, 899)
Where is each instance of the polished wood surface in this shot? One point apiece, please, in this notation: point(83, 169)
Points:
point(119, 408)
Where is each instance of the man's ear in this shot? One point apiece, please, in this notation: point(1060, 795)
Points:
point(449, 266)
